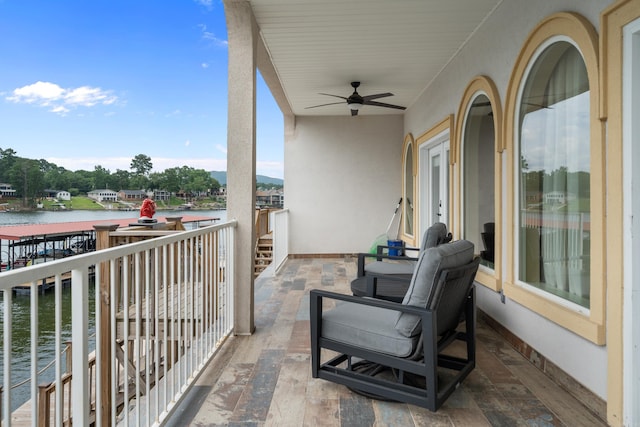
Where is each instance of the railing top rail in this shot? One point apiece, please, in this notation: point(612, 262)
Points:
point(17, 277)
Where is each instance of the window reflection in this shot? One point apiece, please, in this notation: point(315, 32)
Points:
point(554, 188)
point(408, 190)
point(479, 175)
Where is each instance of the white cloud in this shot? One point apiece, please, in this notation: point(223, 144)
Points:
point(61, 100)
point(206, 3)
point(272, 169)
point(88, 96)
point(210, 37)
point(187, 143)
point(60, 110)
point(221, 148)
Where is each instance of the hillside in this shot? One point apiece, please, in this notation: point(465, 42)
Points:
point(221, 176)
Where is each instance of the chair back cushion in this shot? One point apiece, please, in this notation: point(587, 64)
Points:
point(422, 290)
point(434, 236)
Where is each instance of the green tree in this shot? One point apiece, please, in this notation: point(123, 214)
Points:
point(82, 180)
point(7, 159)
point(120, 180)
point(57, 178)
point(141, 165)
point(27, 177)
point(101, 178)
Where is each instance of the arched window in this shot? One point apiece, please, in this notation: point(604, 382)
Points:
point(479, 177)
point(480, 174)
point(554, 257)
point(554, 174)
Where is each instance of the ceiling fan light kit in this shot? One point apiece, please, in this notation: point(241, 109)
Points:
point(355, 101)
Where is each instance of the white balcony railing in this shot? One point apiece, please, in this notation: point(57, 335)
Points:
point(163, 307)
point(280, 237)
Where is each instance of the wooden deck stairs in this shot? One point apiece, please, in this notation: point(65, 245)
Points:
point(264, 254)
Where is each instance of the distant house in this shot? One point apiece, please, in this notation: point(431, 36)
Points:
point(272, 198)
point(56, 194)
point(103, 195)
point(132, 195)
point(161, 195)
point(558, 197)
point(63, 195)
point(7, 191)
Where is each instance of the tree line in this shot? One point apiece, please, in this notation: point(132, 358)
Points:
point(31, 177)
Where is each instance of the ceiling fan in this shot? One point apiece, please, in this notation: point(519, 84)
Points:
point(355, 101)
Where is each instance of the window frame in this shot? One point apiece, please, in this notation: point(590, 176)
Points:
point(409, 143)
point(482, 85)
point(590, 324)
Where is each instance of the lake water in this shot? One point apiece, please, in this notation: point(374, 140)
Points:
point(20, 353)
point(47, 217)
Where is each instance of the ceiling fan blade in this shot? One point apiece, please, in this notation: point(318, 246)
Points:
point(382, 104)
point(337, 96)
point(354, 112)
point(322, 105)
point(376, 96)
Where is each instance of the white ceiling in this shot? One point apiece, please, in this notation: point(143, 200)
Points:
point(396, 46)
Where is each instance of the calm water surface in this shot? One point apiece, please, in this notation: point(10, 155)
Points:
point(46, 217)
point(21, 327)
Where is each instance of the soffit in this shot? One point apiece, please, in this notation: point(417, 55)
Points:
point(396, 46)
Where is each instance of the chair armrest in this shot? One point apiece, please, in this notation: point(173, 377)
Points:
point(316, 296)
point(362, 259)
point(380, 248)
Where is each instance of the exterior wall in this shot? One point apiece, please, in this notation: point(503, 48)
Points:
point(63, 195)
point(492, 52)
point(343, 181)
point(102, 195)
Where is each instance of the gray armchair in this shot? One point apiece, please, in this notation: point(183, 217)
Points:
point(405, 339)
point(388, 277)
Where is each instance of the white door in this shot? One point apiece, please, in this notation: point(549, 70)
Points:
point(434, 181)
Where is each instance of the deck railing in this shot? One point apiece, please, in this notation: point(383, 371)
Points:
point(170, 308)
point(280, 237)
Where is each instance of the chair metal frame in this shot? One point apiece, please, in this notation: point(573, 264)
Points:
point(431, 344)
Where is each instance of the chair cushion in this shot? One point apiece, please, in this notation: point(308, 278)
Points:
point(428, 268)
point(371, 328)
point(435, 235)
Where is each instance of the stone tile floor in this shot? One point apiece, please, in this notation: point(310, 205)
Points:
point(265, 379)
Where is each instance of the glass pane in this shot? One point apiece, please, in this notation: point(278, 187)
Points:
point(408, 191)
point(435, 188)
point(554, 175)
point(479, 194)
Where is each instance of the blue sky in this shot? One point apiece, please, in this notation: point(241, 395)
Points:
point(86, 83)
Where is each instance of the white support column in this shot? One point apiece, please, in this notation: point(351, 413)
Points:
point(241, 153)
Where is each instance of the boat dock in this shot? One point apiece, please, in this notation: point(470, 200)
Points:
point(29, 244)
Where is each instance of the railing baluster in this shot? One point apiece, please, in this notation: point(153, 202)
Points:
point(34, 349)
point(80, 318)
point(180, 287)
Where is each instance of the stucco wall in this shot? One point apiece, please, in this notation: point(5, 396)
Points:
point(343, 181)
point(492, 51)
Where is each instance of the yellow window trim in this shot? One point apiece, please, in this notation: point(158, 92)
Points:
point(408, 239)
point(483, 84)
point(583, 34)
